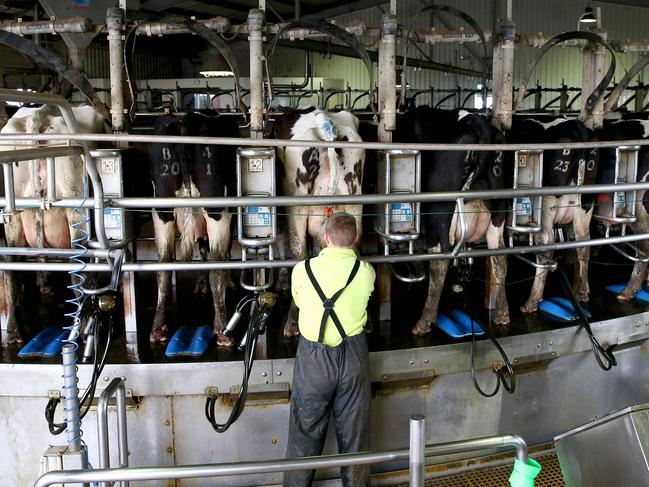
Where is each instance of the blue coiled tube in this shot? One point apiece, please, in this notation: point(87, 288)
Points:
point(70, 346)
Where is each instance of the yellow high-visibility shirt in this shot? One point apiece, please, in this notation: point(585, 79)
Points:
point(332, 269)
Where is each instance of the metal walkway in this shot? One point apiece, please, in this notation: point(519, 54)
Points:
point(550, 476)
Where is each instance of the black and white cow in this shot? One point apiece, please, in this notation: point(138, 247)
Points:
point(560, 168)
point(456, 171)
point(316, 171)
point(628, 130)
point(190, 170)
point(40, 228)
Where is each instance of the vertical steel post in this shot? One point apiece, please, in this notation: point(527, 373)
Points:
point(10, 194)
point(71, 397)
point(592, 73)
point(503, 74)
point(417, 450)
point(387, 123)
point(115, 23)
point(51, 179)
point(256, 40)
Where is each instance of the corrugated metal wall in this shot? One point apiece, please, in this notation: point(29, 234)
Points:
point(561, 65)
point(143, 66)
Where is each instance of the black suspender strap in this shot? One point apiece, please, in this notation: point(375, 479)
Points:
point(328, 303)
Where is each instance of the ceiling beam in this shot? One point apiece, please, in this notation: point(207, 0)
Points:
point(627, 3)
point(343, 8)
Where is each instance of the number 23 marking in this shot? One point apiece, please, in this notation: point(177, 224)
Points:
point(562, 166)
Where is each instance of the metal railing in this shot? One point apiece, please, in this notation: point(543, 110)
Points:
point(416, 454)
point(116, 388)
point(8, 139)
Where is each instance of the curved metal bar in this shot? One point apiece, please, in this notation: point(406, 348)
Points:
point(639, 257)
point(550, 264)
point(408, 279)
point(464, 226)
point(631, 73)
point(271, 466)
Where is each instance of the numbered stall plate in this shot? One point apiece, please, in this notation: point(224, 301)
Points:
point(400, 173)
point(111, 171)
point(528, 173)
point(256, 177)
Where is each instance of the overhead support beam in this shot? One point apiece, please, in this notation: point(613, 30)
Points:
point(343, 8)
point(344, 51)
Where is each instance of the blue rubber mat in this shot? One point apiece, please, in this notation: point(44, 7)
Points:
point(190, 341)
point(560, 309)
point(48, 343)
point(458, 324)
point(642, 295)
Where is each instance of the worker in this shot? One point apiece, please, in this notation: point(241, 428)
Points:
point(331, 372)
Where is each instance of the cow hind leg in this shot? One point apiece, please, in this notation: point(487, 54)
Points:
point(639, 268)
point(437, 270)
point(498, 267)
point(165, 232)
point(219, 237)
point(297, 233)
point(544, 237)
point(202, 286)
point(15, 236)
point(581, 224)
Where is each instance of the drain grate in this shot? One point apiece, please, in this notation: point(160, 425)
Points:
point(550, 476)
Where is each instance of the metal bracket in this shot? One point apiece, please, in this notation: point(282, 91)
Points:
point(527, 211)
point(256, 226)
point(622, 210)
point(401, 171)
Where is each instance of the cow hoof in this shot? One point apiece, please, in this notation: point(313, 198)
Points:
point(625, 298)
point(223, 341)
point(14, 337)
point(47, 295)
point(291, 329)
point(422, 328)
point(282, 284)
point(530, 307)
point(201, 290)
point(502, 319)
point(159, 335)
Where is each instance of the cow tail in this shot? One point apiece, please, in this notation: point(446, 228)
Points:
point(334, 171)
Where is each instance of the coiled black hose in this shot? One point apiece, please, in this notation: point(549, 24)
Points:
point(256, 327)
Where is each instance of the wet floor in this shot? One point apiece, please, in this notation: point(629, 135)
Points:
point(606, 267)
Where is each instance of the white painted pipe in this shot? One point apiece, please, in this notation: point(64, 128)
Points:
point(255, 39)
point(115, 23)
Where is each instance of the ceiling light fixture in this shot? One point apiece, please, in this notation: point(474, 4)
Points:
point(217, 74)
point(588, 17)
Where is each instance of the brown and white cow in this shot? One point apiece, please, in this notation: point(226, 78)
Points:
point(41, 228)
point(189, 170)
point(317, 171)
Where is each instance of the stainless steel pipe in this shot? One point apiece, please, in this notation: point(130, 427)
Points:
point(417, 450)
point(376, 259)
point(8, 139)
point(270, 466)
point(74, 25)
point(116, 388)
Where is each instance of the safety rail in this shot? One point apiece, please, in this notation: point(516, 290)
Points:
point(116, 388)
point(416, 454)
point(248, 142)
point(377, 259)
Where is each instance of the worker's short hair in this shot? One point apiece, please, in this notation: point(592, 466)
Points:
point(341, 229)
